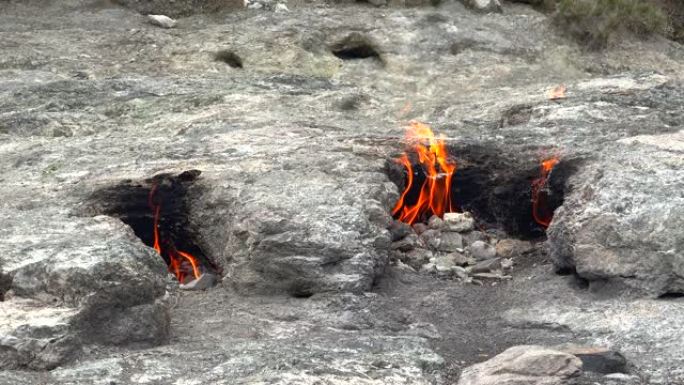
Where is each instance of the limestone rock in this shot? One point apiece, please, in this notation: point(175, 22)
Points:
point(161, 21)
point(459, 222)
point(523, 365)
point(608, 231)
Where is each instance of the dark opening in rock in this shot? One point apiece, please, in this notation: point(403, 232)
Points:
point(354, 47)
point(5, 284)
point(229, 57)
point(671, 295)
point(156, 210)
point(497, 186)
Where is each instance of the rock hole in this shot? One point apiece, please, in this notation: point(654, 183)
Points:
point(355, 47)
point(229, 57)
point(496, 186)
point(156, 210)
point(5, 285)
point(671, 296)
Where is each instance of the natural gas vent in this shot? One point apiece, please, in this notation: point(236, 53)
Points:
point(516, 192)
point(156, 210)
point(354, 47)
point(229, 57)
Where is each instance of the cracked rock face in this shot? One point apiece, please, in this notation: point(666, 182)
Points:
point(292, 118)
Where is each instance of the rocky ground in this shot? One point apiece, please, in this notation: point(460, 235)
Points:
point(291, 117)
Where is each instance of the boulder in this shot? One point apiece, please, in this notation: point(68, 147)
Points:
point(523, 365)
point(621, 220)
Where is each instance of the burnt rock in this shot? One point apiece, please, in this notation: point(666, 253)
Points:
point(597, 359)
point(419, 228)
point(399, 230)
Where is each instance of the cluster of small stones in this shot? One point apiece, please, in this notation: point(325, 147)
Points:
point(451, 247)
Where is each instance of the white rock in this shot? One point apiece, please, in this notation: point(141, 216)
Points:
point(280, 8)
point(481, 250)
point(205, 281)
point(161, 21)
point(459, 222)
point(485, 5)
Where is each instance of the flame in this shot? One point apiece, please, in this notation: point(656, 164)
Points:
point(434, 196)
point(557, 92)
point(540, 211)
point(177, 260)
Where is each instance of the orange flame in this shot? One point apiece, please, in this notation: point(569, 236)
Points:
point(177, 260)
point(540, 211)
point(434, 196)
point(557, 92)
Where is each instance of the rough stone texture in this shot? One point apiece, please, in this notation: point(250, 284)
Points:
point(179, 7)
point(294, 197)
point(523, 365)
point(82, 281)
point(621, 223)
point(484, 5)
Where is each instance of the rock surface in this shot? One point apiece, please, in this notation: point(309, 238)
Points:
point(294, 198)
point(524, 365)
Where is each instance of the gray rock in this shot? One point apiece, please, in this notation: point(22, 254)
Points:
point(204, 282)
point(481, 250)
point(450, 242)
point(459, 222)
point(509, 247)
point(431, 238)
point(486, 266)
point(419, 228)
point(416, 257)
point(526, 364)
point(610, 232)
point(281, 8)
point(399, 230)
point(435, 223)
point(161, 21)
point(408, 243)
point(472, 236)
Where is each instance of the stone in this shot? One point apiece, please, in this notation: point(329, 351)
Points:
point(281, 8)
point(472, 236)
point(416, 257)
point(608, 232)
point(523, 365)
point(435, 223)
point(484, 5)
point(450, 242)
point(459, 222)
point(486, 266)
point(481, 250)
point(419, 228)
point(597, 359)
point(378, 3)
point(432, 239)
point(204, 282)
point(406, 244)
point(399, 230)
point(161, 21)
point(509, 247)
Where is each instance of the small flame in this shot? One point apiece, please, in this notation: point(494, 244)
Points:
point(434, 197)
point(177, 260)
point(557, 92)
point(540, 211)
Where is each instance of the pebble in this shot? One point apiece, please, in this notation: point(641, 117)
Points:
point(205, 281)
point(459, 222)
point(481, 250)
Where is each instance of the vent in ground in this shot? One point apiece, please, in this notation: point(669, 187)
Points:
point(503, 189)
point(156, 210)
point(229, 57)
point(355, 47)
